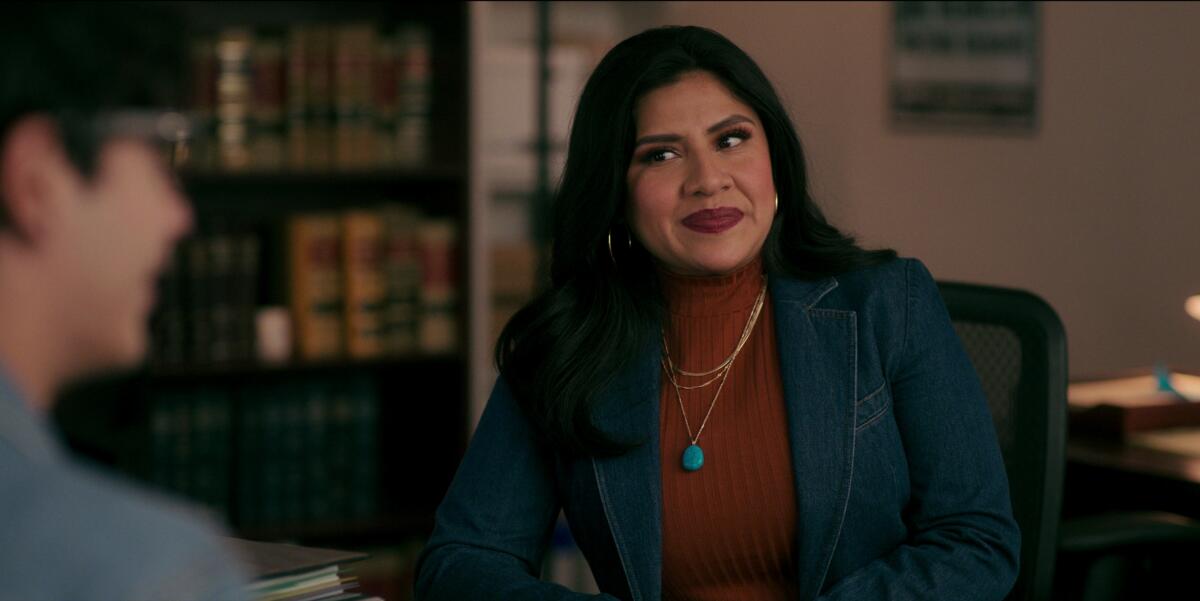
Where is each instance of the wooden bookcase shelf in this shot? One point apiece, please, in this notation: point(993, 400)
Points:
point(250, 369)
point(214, 177)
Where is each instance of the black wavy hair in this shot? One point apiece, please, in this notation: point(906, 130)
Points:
point(74, 60)
point(599, 313)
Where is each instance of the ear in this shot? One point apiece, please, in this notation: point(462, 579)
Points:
point(35, 177)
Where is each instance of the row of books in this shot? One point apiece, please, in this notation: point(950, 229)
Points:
point(190, 446)
point(208, 300)
point(306, 451)
point(314, 97)
point(372, 282)
point(361, 283)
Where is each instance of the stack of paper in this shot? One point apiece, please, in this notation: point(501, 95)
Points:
point(1135, 391)
point(284, 572)
point(1141, 401)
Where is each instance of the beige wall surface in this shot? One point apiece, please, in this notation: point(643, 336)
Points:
point(1097, 211)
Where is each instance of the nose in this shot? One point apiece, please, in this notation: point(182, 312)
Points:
point(706, 176)
point(182, 217)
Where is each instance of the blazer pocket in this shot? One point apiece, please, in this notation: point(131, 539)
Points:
point(870, 408)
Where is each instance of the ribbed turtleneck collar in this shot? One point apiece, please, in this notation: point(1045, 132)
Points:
point(709, 296)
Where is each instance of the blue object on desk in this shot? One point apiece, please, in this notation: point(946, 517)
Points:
point(1163, 375)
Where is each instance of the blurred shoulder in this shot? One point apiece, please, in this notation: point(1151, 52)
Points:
point(75, 531)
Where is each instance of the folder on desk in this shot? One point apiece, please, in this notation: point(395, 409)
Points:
point(1137, 401)
point(283, 572)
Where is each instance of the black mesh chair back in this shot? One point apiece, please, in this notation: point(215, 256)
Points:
point(1017, 344)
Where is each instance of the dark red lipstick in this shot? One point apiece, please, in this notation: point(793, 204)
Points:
point(712, 221)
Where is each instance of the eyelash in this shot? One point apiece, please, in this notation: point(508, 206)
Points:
point(738, 132)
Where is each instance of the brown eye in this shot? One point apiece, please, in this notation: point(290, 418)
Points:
point(657, 156)
point(732, 138)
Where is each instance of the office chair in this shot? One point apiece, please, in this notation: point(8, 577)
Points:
point(1017, 345)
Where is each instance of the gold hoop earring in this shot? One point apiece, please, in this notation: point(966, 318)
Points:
point(628, 245)
point(776, 203)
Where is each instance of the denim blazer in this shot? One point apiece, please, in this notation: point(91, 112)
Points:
point(900, 488)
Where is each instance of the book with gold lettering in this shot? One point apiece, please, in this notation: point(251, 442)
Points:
point(365, 292)
point(315, 270)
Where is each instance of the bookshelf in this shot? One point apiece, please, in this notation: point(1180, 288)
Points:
point(368, 443)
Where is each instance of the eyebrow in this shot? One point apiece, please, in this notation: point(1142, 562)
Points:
point(722, 124)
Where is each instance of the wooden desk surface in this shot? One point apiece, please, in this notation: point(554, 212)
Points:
point(1134, 458)
point(1105, 475)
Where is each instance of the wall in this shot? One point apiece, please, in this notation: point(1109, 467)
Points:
point(1097, 211)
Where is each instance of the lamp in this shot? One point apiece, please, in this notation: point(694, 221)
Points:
point(1193, 306)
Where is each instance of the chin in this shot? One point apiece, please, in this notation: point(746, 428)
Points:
point(110, 362)
point(135, 352)
point(719, 265)
point(129, 353)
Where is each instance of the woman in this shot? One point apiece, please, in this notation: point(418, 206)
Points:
point(726, 397)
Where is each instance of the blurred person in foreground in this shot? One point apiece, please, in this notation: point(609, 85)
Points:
point(727, 397)
point(89, 214)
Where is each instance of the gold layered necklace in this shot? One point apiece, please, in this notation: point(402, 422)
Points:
point(693, 455)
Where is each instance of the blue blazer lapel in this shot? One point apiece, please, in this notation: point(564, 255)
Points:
point(817, 353)
point(630, 485)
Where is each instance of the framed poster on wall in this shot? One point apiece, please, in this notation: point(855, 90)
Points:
point(964, 64)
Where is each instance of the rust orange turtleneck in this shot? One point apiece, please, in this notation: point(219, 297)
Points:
point(728, 529)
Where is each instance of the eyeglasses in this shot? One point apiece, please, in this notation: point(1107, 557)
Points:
point(170, 133)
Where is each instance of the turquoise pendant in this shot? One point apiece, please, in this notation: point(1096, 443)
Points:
point(693, 458)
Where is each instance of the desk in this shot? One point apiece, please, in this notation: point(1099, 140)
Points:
point(1104, 475)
